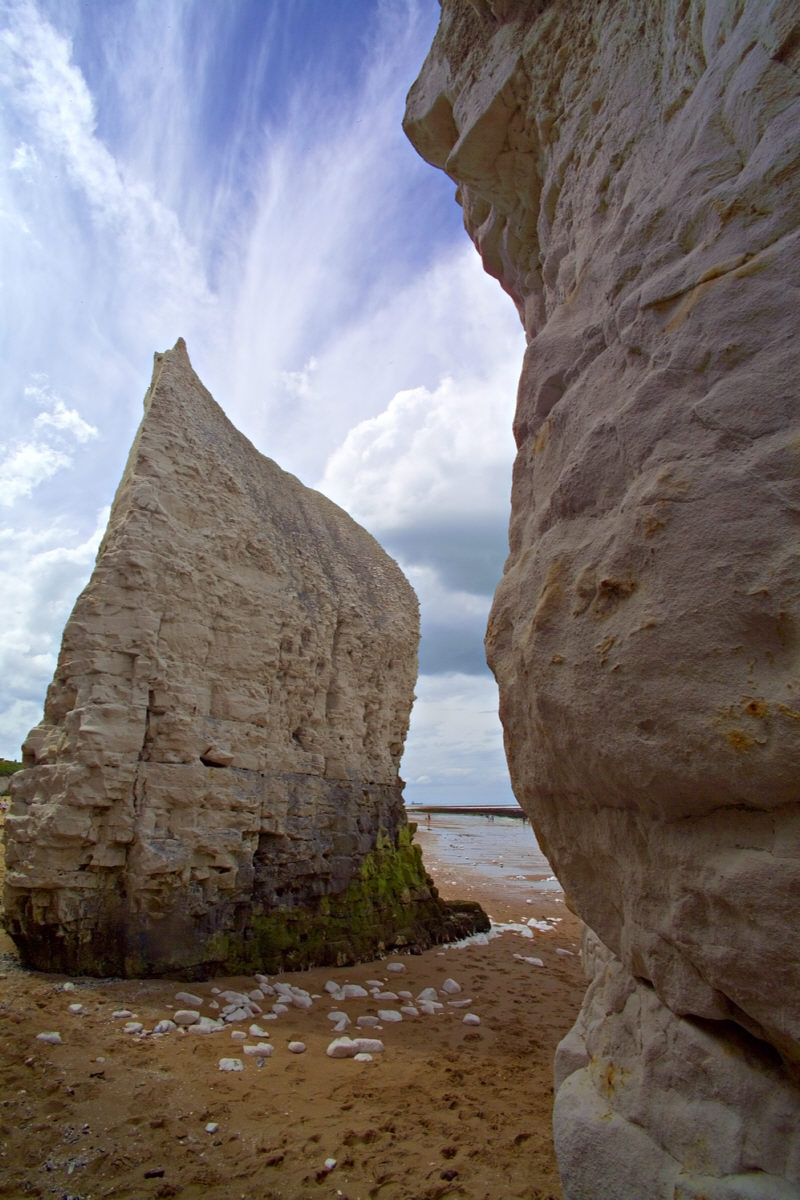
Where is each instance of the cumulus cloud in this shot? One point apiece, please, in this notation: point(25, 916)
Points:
point(29, 463)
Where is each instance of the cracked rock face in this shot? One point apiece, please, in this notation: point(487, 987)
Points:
point(630, 174)
point(215, 780)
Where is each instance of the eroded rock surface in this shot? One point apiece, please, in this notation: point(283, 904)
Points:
point(214, 785)
point(630, 174)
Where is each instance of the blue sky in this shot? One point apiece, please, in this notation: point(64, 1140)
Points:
point(236, 174)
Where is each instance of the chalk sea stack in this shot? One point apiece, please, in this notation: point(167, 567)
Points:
point(629, 172)
point(214, 785)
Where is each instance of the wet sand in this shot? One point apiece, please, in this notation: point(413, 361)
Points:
point(447, 1110)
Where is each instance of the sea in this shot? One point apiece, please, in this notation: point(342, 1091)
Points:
point(501, 848)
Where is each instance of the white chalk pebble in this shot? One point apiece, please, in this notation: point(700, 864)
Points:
point(257, 1031)
point(329, 1164)
point(212, 1127)
point(231, 1064)
point(189, 999)
point(450, 987)
point(458, 1003)
point(238, 1035)
point(133, 1027)
point(297, 1047)
point(259, 1050)
point(186, 1016)
point(353, 991)
point(76, 1008)
point(345, 1047)
point(51, 1038)
point(233, 1015)
point(204, 1025)
point(164, 1027)
point(471, 1019)
point(565, 953)
point(120, 1013)
point(278, 1009)
point(388, 1015)
point(68, 986)
point(367, 1022)
point(256, 994)
point(362, 1056)
point(409, 1010)
point(397, 967)
point(428, 994)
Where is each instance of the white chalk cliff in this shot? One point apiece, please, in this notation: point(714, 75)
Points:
point(630, 174)
point(215, 783)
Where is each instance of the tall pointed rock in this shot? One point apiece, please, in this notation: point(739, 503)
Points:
point(214, 785)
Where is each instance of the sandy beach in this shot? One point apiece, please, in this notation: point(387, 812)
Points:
point(447, 1109)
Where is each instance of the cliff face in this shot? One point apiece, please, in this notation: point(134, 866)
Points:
point(630, 175)
point(215, 784)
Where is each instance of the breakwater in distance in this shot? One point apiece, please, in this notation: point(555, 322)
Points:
point(472, 810)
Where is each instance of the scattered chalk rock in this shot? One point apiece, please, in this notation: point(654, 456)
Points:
point(133, 1027)
point(261, 1049)
point(471, 1019)
point(257, 1031)
point(231, 1064)
point(165, 1027)
point(121, 1013)
point(367, 1021)
point(353, 991)
point(362, 1056)
point(450, 987)
point(189, 999)
point(409, 1010)
point(186, 1016)
point(389, 1015)
point(345, 1047)
point(397, 967)
point(51, 1038)
point(76, 1008)
point(296, 1047)
point(212, 1127)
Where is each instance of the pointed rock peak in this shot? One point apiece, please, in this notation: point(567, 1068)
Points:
point(214, 786)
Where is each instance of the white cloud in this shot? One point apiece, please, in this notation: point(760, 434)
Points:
point(66, 420)
point(25, 160)
point(454, 752)
point(48, 568)
point(27, 466)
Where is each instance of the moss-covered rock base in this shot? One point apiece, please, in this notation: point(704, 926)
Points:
point(390, 904)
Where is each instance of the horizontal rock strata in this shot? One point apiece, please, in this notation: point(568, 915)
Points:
point(214, 785)
point(630, 175)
